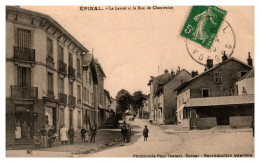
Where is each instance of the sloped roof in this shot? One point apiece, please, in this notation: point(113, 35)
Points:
point(249, 74)
point(214, 67)
point(220, 101)
point(88, 61)
point(100, 68)
point(50, 19)
point(162, 85)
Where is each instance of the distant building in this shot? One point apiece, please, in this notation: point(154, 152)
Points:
point(201, 103)
point(153, 84)
point(165, 99)
point(100, 93)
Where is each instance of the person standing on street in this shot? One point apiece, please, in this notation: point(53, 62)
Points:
point(123, 132)
point(83, 134)
point(71, 134)
point(145, 133)
point(93, 131)
point(44, 138)
point(63, 135)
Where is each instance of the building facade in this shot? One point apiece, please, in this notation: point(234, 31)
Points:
point(100, 93)
point(46, 84)
point(201, 98)
point(166, 99)
point(153, 83)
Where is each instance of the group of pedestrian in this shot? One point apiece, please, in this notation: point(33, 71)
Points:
point(43, 138)
point(126, 133)
point(84, 133)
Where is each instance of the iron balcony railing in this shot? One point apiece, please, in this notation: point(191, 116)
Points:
point(71, 72)
point(50, 94)
point(62, 67)
point(62, 98)
point(49, 58)
point(72, 100)
point(19, 92)
point(24, 54)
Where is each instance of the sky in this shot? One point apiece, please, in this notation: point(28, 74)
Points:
point(133, 45)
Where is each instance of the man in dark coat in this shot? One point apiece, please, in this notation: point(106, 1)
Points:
point(145, 133)
point(83, 134)
point(93, 133)
point(123, 132)
point(71, 134)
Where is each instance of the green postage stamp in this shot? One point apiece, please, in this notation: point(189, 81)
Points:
point(203, 24)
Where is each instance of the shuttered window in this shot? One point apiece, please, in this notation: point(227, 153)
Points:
point(23, 38)
point(50, 81)
point(49, 47)
point(79, 92)
point(60, 53)
point(71, 88)
point(23, 76)
point(78, 66)
point(61, 85)
point(70, 60)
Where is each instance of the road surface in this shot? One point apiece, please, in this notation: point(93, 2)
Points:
point(169, 143)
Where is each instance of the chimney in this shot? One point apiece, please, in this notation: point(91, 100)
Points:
point(166, 72)
point(209, 64)
point(173, 73)
point(194, 73)
point(224, 57)
point(249, 60)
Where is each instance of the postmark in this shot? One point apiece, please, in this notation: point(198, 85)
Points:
point(202, 24)
point(222, 40)
point(224, 43)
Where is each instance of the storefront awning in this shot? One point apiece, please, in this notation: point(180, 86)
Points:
point(220, 101)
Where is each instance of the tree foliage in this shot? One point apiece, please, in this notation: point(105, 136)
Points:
point(138, 98)
point(124, 100)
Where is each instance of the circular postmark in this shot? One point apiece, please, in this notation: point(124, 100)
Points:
point(208, 35)
point(224, 43)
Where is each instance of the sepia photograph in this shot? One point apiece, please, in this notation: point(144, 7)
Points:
point(128, 81)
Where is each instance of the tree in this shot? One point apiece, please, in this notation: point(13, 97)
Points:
point(138, 98)
point(124, 100)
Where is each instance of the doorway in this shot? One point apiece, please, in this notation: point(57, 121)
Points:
point(24, 119)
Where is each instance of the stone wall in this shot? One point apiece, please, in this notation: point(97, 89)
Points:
point(203, 123)
point(240, 121)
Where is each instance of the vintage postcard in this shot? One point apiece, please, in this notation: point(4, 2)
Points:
point(130, 81)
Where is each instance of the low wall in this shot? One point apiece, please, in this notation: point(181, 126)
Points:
point(203, 123)
point(240, 121)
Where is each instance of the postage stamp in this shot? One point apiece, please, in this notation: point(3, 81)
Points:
point(202, 25)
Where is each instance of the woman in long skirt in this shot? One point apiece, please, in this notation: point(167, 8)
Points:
point(18, 131)
point(44, 138)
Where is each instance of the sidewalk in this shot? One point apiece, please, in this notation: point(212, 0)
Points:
point(105, 138)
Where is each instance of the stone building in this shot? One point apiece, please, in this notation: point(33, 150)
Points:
point(165, 99)
point(210, 98)
point(45, 79)
point(153, 84)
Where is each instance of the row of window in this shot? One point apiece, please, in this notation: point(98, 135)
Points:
point(218, 76)
point(87, 95)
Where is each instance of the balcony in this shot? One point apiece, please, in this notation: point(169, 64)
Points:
point(24, 54)
point(79, 101)
point(72, 72)
point(18, 92)
point(50, 94)
point(62, 98)
point(78, 75)
point(72, 100)
point(62, 67)
point(49, 58)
